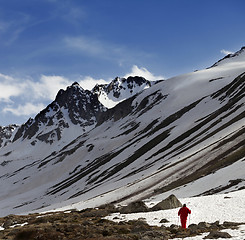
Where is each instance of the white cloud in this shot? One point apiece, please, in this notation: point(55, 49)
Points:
point(8, 91)
point(10, 87)
point(89, 82)
point(25, 110)
point(48, 86)
point(226, 52)
point(15, 91)
point(143, 72)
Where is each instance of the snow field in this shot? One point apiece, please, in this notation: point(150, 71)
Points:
point(223, 207)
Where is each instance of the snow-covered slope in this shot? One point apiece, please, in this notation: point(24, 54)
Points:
point(175, 133)
point(222, 208)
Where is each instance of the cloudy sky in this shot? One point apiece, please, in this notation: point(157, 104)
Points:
point(46, 45)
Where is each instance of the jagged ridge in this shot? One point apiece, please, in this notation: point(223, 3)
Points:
point(71, 106)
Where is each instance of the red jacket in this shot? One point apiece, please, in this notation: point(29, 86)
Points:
point(183, 212)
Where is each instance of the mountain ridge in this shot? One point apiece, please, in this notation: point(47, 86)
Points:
point(120, 89)
point(229, 56)
point(72, 99)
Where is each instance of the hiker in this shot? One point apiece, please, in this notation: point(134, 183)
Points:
point(183, 213)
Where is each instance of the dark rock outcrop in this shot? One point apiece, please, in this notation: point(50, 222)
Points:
point(216, 234)
point(168, 203)
point(134, 207)
point(6, 134)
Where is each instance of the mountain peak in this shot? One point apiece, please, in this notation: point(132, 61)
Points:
point(64, 97)
point(239, 55)
point(75, 84)
point(73, 106)
point(120, 89)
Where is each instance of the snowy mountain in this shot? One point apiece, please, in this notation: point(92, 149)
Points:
point(73, 108)
point(175, 136)
point(120, 89)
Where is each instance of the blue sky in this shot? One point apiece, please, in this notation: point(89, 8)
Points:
point(46, 45)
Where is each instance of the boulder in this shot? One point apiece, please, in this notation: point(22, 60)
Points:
point(204, 225)
point(215, 235)
point(134, 207)
point(193, 228)
point(174, 229)
point(154, 235)
point(230, 224)
point(8, 223)
point(183, 233)
point(168, 203)
point(164, 220)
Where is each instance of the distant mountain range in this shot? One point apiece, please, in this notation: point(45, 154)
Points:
point(127, 140)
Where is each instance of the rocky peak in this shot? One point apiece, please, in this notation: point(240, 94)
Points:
point(120, 89)
point(75, 84)
point(6, 134)
point(126, 83)
point(71, 95)
point(75, 105)
point(138, 80)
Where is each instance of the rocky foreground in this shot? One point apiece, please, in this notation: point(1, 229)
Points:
point(90, 224)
